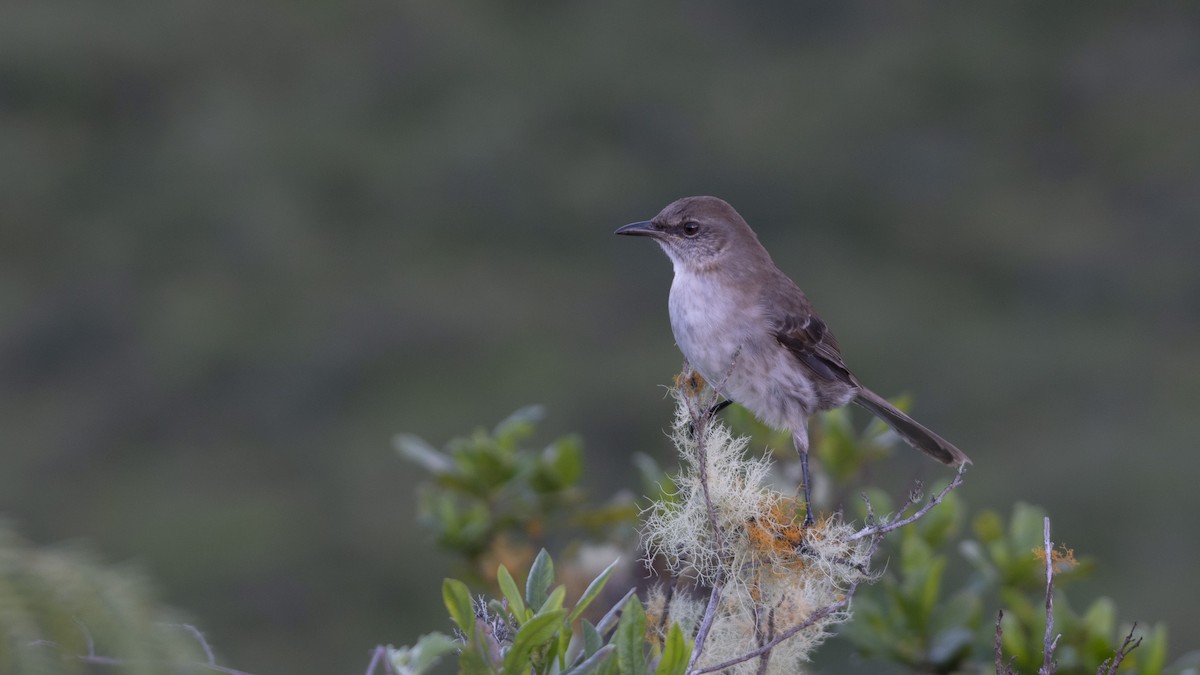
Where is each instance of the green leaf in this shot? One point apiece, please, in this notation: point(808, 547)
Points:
point(534, 634)
point(554, 601)
point(950, 647)
point(1025, 528)
point(422, 656)
point(1101, 619)
point(549, 653)
point(593, 662)
point(989, 526)
point(922, 574)
point(610, 617)
point(1154, 658)
point(1013, 640)
point(518, 425)
point(508, 587)
point(941, 522)
point(964, 609)
point(593, 589)
point(564, 458)
point(564, 643)
point(458, 603)
point(415, 449)
point(541, 575)
point(631, 636)
point(592, 642)
point(676, 653)
point(655, 482)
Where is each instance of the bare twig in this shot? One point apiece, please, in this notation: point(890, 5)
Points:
point(701, 424)
point(710, 615)
point(210, 657)
point(1002, 668)
point(999, 652)
point(1109, 667)
point(1049, 640)
point(812, 619)
point(210, 664)
point(701, 418)
point(378, 656)
point(764, 634)
point(884, 528)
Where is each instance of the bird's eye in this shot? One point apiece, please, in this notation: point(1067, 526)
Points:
point(691, 228)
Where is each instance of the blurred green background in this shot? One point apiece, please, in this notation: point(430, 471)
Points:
point(242, 244)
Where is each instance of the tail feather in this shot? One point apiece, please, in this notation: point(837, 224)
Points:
point(910, 430)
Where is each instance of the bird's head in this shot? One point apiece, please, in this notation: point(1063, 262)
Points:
point(699, 233)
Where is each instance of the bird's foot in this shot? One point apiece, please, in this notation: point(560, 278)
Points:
point(709, 414)
point(718, 407)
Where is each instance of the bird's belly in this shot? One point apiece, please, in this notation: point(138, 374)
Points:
point(727, 342)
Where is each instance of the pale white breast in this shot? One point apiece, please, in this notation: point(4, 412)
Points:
point(710, 323)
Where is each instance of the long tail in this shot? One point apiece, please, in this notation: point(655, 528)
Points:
point(910, 430)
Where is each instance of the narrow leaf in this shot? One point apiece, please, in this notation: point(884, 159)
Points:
point(555, 601)
point(537, 631)
point(416, 450)
point(676, 653)
point(631, 636)
point(610, 617)
point(458, 603)
point(516, 604)
point(592, 591)
point(593, 662)
point(592, 642)
point(541, 575)
point(520, 423)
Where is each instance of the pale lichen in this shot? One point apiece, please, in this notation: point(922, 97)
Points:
point(741, 534)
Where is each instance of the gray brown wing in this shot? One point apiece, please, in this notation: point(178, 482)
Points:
point(805, 335)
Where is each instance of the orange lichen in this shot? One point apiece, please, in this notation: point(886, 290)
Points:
point(690, 382)
point(1062, 558)
point(778, 535)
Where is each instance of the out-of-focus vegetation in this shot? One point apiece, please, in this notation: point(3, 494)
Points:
point(62, 612)
point(242, 244)
point(921, 597)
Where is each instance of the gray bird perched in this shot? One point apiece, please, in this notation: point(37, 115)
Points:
point(752, 333)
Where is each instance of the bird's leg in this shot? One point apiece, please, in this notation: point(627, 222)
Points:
point(800, 440)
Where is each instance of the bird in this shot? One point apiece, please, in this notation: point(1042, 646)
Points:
point(753, 335)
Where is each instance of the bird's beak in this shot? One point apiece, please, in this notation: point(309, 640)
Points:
point(643, 229)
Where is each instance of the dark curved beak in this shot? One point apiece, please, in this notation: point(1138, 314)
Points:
point(643, 229)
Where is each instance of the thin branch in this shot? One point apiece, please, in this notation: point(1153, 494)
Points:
point(92, 657)
point(378, 656)
point(195, 633)
point(710, 615)
point(212, 667)
point(1109, 667)
point(812, 619)
point(700, 422)
point(765, 660)
point(999, 653)
point(1049, 640)
point(884, 528)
